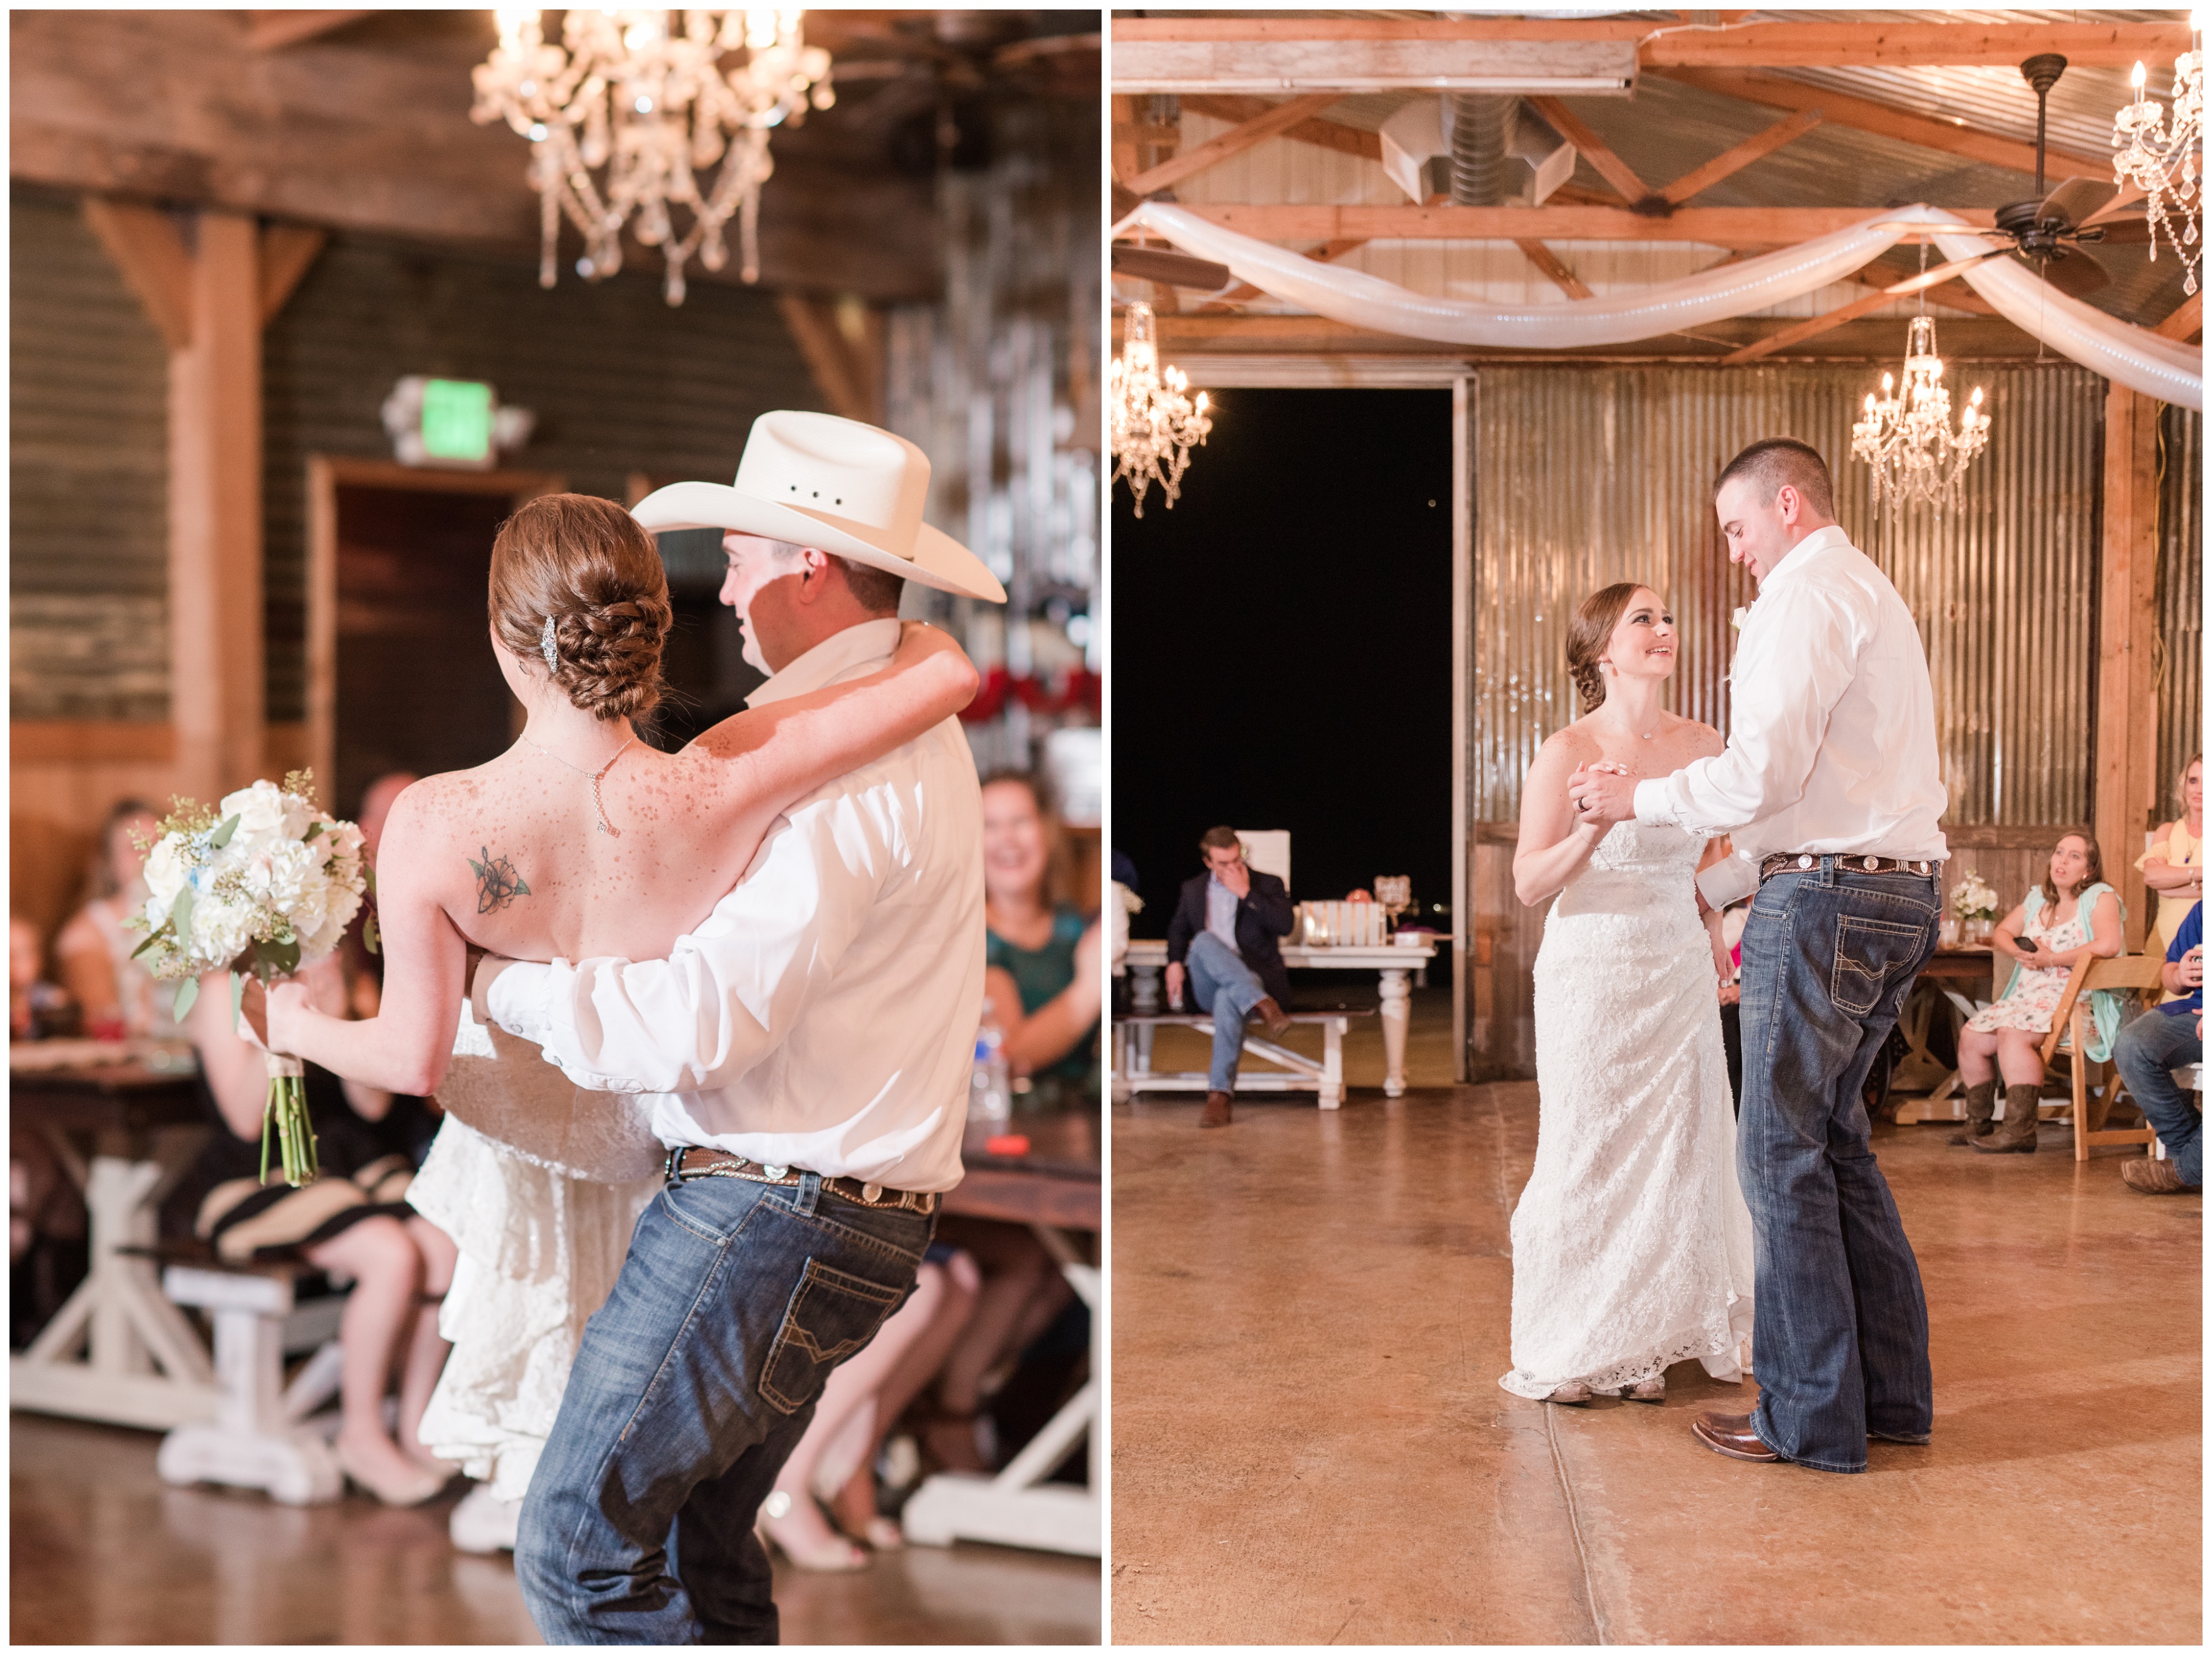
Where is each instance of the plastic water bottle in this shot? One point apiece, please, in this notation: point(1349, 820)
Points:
point(990, 1092)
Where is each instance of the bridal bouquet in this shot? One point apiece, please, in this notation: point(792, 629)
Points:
point(266, 882)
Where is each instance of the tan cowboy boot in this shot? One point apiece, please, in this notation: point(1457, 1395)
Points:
point(1981, 1105)
point(1216, 1112)
point(2017, 1135)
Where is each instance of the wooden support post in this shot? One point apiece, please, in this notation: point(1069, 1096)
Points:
point(843, 340)
point(215, 687)
point(2127, 691)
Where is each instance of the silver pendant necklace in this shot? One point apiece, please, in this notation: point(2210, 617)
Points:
point(598, 776)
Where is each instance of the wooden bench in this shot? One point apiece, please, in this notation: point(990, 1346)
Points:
point(1293, 1072)
point(261, 1436)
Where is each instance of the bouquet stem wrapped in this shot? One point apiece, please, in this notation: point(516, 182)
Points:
point(266, 883)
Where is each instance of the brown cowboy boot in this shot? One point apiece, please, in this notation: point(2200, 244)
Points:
point(1274, 1016)
point(1216, 1112)
point(1981, 1105)
point(2017, 1135)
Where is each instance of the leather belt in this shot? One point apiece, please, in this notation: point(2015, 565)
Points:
point(1803, 860)
point(697, 1163)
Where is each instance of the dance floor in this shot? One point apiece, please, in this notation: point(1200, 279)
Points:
point(1310, 1314)
point(101, 1552)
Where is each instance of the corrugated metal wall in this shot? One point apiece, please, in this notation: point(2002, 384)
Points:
point(1585, 477)
point(2180, 598)
point(88, 477)
point(620, 383)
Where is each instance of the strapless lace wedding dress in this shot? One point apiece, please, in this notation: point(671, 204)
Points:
point(1631, 1244)
point(539, 1183)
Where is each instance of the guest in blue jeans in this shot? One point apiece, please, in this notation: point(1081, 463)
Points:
point(2150, 1048)
point(1222, 941)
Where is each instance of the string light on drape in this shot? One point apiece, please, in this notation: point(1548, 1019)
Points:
point(1153, 422)
point(645, 95)
point(2162, 162)
point(1905, 437)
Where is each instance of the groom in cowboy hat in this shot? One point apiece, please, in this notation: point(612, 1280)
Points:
point(805, 1056)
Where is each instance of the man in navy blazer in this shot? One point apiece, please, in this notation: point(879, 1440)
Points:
point(1222, 942)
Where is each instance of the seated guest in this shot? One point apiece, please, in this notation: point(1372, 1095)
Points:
point(117, 996)
point(1042, 974)
point(2073, 915)
point(2148, 1052)
point(351, 1221)
point(2173, 867)
point(1223, 939)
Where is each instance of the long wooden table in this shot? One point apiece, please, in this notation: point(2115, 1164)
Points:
point(117, 1350)
point(1058, 1186)
point(1394, 965)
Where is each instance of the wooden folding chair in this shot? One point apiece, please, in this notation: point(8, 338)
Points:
point(2068, 1040)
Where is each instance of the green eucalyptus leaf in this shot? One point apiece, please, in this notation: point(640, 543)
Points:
point(372, 934)
point(180, 918)
point(237, 998)
point(152, 937)
point(187, 992)
point(282, 956)
point(314, 828)
point(222, 835)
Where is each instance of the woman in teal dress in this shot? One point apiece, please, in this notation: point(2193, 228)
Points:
point(1044, 979)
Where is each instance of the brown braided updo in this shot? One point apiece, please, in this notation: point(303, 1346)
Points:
point(585, 562)
point(1590, 632)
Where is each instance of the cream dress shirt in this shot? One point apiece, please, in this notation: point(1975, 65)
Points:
point(825, 1015)
point(1831, 738)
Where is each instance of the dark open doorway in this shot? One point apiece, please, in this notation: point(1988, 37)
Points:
point(1282, 646)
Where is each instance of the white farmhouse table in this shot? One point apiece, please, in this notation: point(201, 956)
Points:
point(1394, 963)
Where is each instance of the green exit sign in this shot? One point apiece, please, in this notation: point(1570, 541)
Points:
point(457, 420)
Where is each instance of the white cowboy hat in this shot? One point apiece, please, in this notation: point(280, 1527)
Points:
point(834, 484)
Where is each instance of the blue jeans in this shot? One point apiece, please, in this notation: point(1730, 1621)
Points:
point(1221, 983)
point(2148, 1051)
point(1840, 1335)
point(692, 1386)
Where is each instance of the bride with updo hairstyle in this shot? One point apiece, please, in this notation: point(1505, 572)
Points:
point(578, 841)
point(1631, 1241)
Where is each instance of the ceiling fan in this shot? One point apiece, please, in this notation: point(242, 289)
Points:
point(1178, 269)
point(2047, 232)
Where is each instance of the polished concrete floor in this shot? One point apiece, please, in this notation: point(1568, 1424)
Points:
point(101, 1552)
point(1310, 1446)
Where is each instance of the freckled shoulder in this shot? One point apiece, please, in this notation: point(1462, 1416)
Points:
point(1574, 744)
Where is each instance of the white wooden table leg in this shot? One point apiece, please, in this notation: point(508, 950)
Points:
point(1145, 994)
point(1331, 1063)
point(1397, 1010)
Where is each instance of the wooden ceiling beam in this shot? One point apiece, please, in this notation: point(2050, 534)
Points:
point(1593, 149)
point(379, 141)
point(1858, 307)
point(1886, 120)
point(2187, 319)
point(272, 31)
point(288, 252)
point(1327, 134)
point(1723, 226)
point(1731, 161)
point(1235, 142)
point(1873, 340)
point(1548, 262)
point(1745, 46)
point(144, 243)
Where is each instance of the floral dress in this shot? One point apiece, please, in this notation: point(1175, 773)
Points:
point(2032, 996)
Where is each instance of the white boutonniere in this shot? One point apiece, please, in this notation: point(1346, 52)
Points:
point(1737, 619)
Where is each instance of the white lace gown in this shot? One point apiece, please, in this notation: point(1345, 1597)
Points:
point(539, 1183)
point(1631, 1244)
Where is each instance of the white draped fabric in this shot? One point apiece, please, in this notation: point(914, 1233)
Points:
point(2133, 356)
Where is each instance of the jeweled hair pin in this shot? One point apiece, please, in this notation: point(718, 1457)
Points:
point(547, 647)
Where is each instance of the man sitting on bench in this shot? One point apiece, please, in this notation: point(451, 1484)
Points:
point(1224, 929)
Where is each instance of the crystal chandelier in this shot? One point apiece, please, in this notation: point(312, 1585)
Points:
point(1154, 422)
point(644, 95)
point(1906, 436)
point(2163, 162)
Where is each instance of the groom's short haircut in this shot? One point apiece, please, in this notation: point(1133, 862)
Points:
point(876, 590)
point(1218, 838)
point(1768, 465)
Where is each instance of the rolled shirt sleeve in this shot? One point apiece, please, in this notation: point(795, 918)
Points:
point(1798, 656)
point(730, 991)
